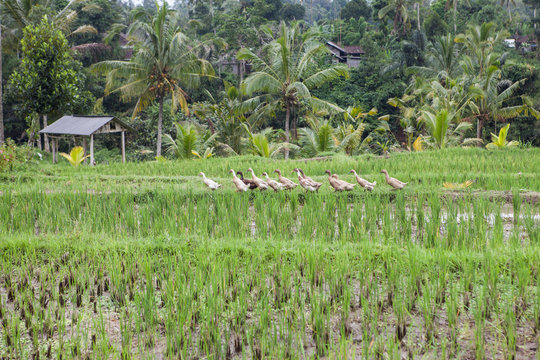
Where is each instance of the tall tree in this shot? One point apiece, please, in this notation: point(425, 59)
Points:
point(2, 139)
point(22, 13)
point(283, 78)
point(46, 80)
point(163, 64)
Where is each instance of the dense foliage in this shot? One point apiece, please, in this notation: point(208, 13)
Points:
point(475, 61)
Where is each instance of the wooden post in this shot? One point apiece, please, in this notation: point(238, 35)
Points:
point(53, 145)
point(56, 150)
point(92, 150)
point(123, 147)
point(85, 146)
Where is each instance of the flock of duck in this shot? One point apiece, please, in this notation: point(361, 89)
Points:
point(245, 184)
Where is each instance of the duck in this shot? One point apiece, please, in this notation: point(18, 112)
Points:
point(272, 183)
point(261, 184)
point(363, 182)
point(338, 185)
point(239, 184)
point(209, 182)
point(287, 183)
point(305, 183)
point(248, 182)
point(393, 182)
point(308, 179)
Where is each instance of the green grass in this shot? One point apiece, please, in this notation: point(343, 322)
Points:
point(142, 261)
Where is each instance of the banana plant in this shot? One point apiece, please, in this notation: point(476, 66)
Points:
point(208, 153)
point(500, 142)
point(76, 156)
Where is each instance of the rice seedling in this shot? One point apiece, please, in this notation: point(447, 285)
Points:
point(138, 261)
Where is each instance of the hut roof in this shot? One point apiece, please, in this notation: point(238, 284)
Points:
point(81, 125)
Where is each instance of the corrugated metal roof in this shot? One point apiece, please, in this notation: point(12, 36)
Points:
point(79, 125)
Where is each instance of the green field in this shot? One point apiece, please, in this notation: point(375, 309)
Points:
point(142, 261)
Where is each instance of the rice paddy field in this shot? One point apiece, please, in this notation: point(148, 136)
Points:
point(142, 261)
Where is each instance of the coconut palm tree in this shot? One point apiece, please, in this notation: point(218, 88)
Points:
point(442, 59)
point(283, 78)
point(163, 64)
point(488, 94)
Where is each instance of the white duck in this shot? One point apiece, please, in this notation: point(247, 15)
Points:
point(363, 182)
point(209, 182)
point(261, 184)
point(239, 184)
point(272, 183)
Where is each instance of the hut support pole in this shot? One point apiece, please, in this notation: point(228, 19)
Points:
point(92, 150)
point(53, 145)
point(85, 146)
point(123, 147)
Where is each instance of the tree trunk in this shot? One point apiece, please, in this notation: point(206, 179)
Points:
point(31, 139)
point(479, 127)
point(35, 124)
point(455, 15)
point(2, 138)
point(287, 137)
point(159, 127)
point(47, 148)
point(418, 15)
point(294, 130)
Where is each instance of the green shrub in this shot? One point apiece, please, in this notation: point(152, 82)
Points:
point(12, 155)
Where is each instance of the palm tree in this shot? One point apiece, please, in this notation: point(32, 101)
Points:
point(261, 143)
point(163, 64)
point(227, 118)
point(442, 59)
point(401, 16)
point(442, 128)
point(317, 138)
point(283, 79)
point(489, 95)
point(190, 142)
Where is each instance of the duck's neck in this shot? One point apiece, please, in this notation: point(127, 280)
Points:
point(386, 176)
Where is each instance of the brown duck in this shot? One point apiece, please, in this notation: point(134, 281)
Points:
point(339, 185)
point(287, 183)
point(272, 183)
point(308, 180)
point(248, 182)
point(305, 183)
point(363, 182)
point(393, 182)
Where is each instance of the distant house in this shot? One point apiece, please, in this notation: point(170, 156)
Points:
point(524, 43)
point(237, 67)
point(350, 55)
point(124, 44)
